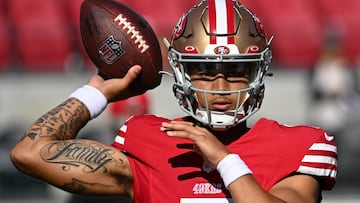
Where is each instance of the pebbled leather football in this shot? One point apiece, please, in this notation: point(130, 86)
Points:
point(116, 37)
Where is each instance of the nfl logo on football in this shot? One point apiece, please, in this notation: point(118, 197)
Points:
point(110, 50)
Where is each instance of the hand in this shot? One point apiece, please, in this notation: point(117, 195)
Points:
point(116, 89)
point(206, 144)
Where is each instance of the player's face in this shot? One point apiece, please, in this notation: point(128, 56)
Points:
point(219, 77)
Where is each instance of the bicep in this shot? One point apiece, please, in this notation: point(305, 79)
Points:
point(84, 167)
point(297, 188)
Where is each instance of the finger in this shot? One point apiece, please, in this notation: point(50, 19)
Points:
point(185, 123)
point(179, 134)
point(183, 130)
point(177, 125)
point(120, 86)
point(132, 73)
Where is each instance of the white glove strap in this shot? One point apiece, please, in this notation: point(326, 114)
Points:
point(94, 100)
point(231, 168)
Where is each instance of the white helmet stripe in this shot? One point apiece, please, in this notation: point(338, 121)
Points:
point(221, 20)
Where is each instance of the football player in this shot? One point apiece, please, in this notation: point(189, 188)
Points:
point(220, 56)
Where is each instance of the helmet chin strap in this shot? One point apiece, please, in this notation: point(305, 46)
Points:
point(221, 120)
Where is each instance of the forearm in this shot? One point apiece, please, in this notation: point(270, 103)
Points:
point(50, 153)
point(61, 123)
point(238, 179)
point(246, 189)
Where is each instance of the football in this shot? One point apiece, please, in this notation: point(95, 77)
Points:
point(116, 37)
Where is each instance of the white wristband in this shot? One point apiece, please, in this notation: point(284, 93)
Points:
point(231, 168)
point(94, 100)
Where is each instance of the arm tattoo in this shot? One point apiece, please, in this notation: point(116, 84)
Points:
point(90, 156)
point(80, 187)
point(62, 122)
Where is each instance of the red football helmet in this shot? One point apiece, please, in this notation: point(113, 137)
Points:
point(216, 34)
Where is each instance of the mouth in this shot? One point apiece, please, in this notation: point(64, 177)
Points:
point(221, 105)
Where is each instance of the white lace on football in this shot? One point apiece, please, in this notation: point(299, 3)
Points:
point(122, 21)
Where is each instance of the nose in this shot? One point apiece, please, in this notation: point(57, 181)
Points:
point(220, 83)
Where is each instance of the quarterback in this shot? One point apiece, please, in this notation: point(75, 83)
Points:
point(220, 56)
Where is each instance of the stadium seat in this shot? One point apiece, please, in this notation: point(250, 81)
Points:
point(5, 51)
point(43, 41)
point(43, 48)
point(4, 7)
point(25, 11)
point(72, 13)
point(296, 43)
point(351, 40)
point(72, 16)
point(297, 34)
point(256, 7)
point(161, 15)
point(345, 19)
point(5, 37)
point(337, 8)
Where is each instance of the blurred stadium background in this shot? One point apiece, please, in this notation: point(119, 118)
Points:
point(42, 61)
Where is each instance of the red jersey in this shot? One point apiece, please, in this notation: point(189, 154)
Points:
point(166, 169)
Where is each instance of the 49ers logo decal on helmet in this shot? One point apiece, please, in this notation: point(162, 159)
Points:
point(222, 50)
point(259, 26)
point(179, 28)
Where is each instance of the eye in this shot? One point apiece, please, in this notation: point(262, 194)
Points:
point(235, 74)
point(202, 73)
point(193, 68)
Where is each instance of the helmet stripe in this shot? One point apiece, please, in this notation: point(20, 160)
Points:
point(230, 21)
point(212, 20)
point(221, 21)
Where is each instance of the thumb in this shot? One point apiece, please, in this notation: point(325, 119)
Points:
point(132, 73)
